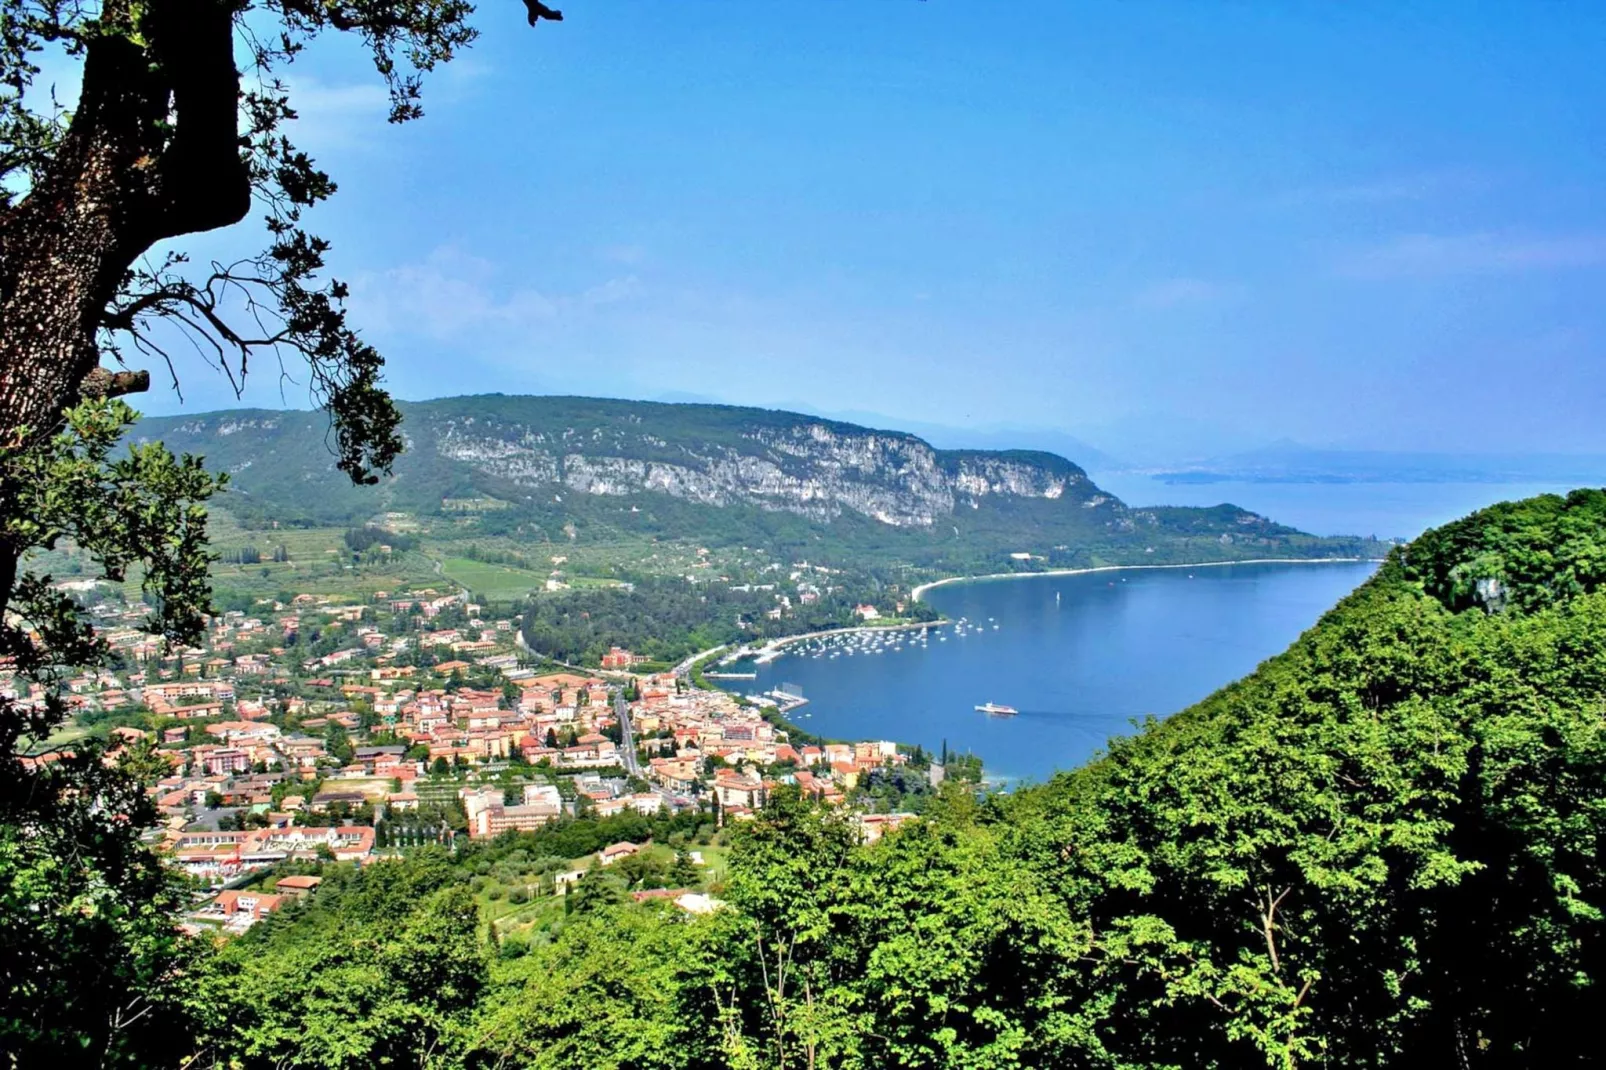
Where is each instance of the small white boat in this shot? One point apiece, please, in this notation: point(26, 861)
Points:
point(993, 709)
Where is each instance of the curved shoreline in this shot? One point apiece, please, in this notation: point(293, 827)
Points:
point(920, 592)
point(781, 721)
point(853, 629)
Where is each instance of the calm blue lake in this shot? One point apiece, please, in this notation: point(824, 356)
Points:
point(1079, 656)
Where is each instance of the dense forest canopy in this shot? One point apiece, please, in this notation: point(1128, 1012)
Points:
point(670, 619)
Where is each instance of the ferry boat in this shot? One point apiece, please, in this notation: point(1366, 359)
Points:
point(993, 709)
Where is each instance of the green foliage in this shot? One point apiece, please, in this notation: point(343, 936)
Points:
point(367, 537)
point(895, 789)
point(382, 968)
point(605, 997)
point(669, 619)
point(683, 872)
point(598, 891)
point(89, 960)
point(177, 75)
point(1524, 554)
point(642, 870)
point(337, 741)
point(91, 966)
point(142, 762)
point(964, 767)
point(578, 837)
point(1381, 849)
point(144, 506)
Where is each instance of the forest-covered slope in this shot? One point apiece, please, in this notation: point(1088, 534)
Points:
point(1384, 848)
point(563, 468)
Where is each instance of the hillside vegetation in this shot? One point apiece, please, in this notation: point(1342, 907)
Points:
point(583, 471)
point(1381, 849)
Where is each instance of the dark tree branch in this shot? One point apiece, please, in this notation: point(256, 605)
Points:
point(538, 11)
point(205, 181)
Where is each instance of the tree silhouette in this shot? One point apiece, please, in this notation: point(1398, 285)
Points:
point(180, 128)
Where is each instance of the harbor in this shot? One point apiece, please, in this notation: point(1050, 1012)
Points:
point(847, 642)
point(785, 699)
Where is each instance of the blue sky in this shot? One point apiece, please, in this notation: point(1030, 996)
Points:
point(1368, 224)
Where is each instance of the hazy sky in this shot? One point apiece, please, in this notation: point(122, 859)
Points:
point(1374, 224)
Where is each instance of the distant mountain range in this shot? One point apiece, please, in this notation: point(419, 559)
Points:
point(568, 468)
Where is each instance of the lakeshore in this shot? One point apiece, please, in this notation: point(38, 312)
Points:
point(844, 716)
point(855, 629)
point(726, 656)
point(1081, 654)
point(918, 594)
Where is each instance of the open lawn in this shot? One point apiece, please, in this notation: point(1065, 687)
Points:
point(716, 864)
point(505, 915)
point(304, 544)
point(499, 583)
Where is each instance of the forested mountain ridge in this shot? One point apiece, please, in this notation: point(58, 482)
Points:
point(569, 468)
point(1383, 848)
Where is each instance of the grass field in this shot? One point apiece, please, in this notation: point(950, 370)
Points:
point(499, 583)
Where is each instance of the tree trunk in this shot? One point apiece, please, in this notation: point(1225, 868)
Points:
point(65, 247)
point(153, 151)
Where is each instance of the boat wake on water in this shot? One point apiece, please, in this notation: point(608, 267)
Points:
point(1076, 715)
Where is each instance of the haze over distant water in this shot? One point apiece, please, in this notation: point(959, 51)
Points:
point(1386, 510)
point(1116, 646)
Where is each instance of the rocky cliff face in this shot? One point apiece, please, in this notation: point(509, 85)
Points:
point(596, 468)
point(813, 468)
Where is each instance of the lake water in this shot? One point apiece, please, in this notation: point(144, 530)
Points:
point(1078, 656)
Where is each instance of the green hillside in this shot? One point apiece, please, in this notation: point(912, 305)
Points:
point(585, 471)
point(1384, 848)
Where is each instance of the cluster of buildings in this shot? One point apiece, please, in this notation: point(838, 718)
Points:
point(490, 814)
point(216, 855)
point(708, 740)
point(295, 732)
